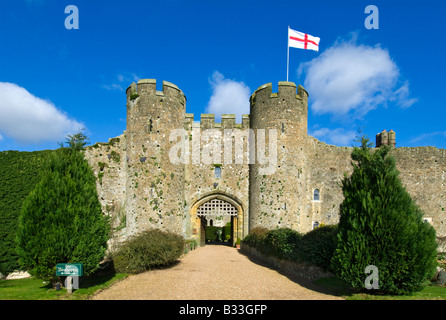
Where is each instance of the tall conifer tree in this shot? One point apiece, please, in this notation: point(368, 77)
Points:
point(380, 225)
point(61, 219)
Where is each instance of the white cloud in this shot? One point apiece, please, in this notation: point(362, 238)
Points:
point(29, 119)
point(339, 136)
point(426, 136)
point(228, 97)
point(348, 77)
point(122, 83)
point(402, 96)
point(113, 86)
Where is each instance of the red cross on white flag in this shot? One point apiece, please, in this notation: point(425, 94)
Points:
point(302, 40)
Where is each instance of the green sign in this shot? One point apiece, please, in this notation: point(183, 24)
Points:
point(69, 269)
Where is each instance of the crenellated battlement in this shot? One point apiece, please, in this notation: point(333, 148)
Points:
point(147, 88)
point(207, 121)
point(385, 138)
point(286, 89)
point(158, 176)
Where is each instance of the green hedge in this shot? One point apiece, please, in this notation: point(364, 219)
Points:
point(19, 174)
point(226, 231)
point(282, 243)
point(212, 232)
point(315, 247)
point(148, 250)
point(61, 220)
point(256, 237)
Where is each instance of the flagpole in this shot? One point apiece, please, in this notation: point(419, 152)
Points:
point(288, 54)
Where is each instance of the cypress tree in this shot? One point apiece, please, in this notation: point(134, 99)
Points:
point(381, 225)
point(61, 219)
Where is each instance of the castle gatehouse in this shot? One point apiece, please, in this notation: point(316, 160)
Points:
point(170, 172)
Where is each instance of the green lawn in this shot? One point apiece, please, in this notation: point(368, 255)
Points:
point(340, 288)
point(35, 289)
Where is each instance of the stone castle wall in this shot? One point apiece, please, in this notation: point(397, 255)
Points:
point(155, 186)
point(140, 187)
point(327, 165)
point(108, 161)
point(423, 174)
point(275, 195)
point(201, 181)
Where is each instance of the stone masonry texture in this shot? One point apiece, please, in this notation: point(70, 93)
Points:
point(140, 187)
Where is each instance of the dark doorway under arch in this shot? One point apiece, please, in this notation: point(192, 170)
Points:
point(226, 215)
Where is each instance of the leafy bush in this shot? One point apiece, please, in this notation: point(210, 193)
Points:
point(227, 232)
point(255, 237)
point(148, 250)
point(381, 225)
point(212, 233)
point(218, 233)
point(190, 245)
point(133, 96)
point(317, 246)
point(282, 243)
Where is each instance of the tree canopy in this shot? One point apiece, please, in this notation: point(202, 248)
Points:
point(380, 225)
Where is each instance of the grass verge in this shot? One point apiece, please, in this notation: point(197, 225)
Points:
point(36, 289)
point(340, 288)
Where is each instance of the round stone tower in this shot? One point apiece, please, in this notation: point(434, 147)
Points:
point(155, 185)
point(277, 194)
point(392, 139)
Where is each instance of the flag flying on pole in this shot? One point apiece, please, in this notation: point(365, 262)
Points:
point(302, 40)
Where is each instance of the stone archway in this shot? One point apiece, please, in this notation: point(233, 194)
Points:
point(216, 205)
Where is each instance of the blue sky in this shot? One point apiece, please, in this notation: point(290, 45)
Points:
point(54, 80)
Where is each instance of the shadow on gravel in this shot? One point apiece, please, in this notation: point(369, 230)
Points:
point(306, 283)
point(218, 243)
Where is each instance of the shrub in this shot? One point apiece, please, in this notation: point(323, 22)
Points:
point(255, 237)
point(381, 225)
point(259, 232)
point(317, 246)
point(148, 250)
point(227, 231)
point(212, 233)
point(282, 243)
point(190, 245)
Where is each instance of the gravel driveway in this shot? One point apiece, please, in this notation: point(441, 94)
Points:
point(213, 272)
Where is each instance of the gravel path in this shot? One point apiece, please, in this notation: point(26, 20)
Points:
point(213, 272)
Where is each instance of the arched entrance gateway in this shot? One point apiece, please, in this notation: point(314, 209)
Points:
point(217, 212)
